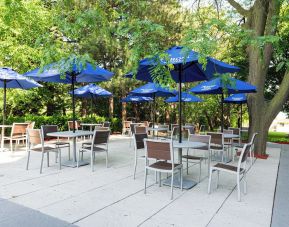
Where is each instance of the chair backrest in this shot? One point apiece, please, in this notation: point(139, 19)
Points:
point(34, 137)
point(174, 125)
point(158, 149)
point(106, 124)
point(100, 128)
point(191, 129)
point(253, 140)
point(70, 125)
point(19, 128)
point(100, 137)
point(175, 133)
point(140, 129)
point(203, 139)
point(243, 156)
point(189, 124)
point(236, 131)
point(146, 123)
point(47, 129)
point(31, 124)
point(216, 138)
point(227, 131)
point(132, 127)
point(126, 124)
point(139, 140)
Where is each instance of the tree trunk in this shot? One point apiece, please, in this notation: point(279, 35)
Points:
point(123, 111)
point(110, 109)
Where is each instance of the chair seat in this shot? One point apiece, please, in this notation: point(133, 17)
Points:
point(163, 165)
point(45, 148)
point(216, 147)
point(61, 143)
point(194, 157)
point(95, 149)
point(14, 137)
point(227, 167)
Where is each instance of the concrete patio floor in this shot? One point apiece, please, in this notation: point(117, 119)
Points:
point(111, 197)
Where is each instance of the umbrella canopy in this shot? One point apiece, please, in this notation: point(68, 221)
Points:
point(186, 69)
point(91, 91)
point(76, 73)
point(11, 79)
point(152, 90)
point(136, 99)
point(217, 86)
point(236, 99)
point(188, 62)
point(186, 97)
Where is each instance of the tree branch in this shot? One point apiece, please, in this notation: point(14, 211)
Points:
point(244, 12)
point(279, 99)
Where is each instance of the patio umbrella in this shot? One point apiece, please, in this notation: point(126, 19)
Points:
point(217, 86)
point(91, 91)
point(186, 69)
point(152, 90)
point(237, 99)
point(131, 98)
point(186, 97)
point(11, 79)
point(76, 73)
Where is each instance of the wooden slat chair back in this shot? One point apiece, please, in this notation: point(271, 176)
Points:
point(158, 150)
point(140, 130)
point(203, 139)
point(34, 137)
point(175, 133)
point(217, 140)
point(173, 126)
point(100, 128)
point(227, 131)
point(31, 124)
point(106, 124)
point(191, 129)
point(236, 131)
point(100, 137)
point(19, 129)
point(70, 125)
point(132, 127)
point(47, 129)
point(244, 154)
point(139, 140)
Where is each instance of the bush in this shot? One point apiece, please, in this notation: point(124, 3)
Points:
point(61, 121)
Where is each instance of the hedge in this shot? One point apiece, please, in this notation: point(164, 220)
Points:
point(61, 121)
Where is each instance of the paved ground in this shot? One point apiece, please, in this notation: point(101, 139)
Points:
point(280, 217)
point(110, 196)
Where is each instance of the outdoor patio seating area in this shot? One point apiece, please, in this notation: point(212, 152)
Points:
point(110, 196)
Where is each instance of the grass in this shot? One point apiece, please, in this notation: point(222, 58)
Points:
point(275, 137)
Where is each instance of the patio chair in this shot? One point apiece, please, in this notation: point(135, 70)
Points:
point(18, 133)
point(199, 158)
point(58, 144)
point(138, 147)
point(175, 134)
point(202, 129)
point(164, 132)
point(217, 143)
point(34, 138)
point(70, 125)
point(191, 129)
point(106, 124)
point(140, 130)
point(236, 131)
point(126, 127)
point(239, 170)
point(163, 152)
point(98, 144)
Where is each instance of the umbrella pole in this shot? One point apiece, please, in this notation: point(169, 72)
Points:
point(222, 112)
point(73, 102)
point(154, 110)
point(241, 122)
point(4, 103)
point(180, 103)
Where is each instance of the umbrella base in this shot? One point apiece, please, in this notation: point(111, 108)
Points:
point(73, 164)
point(187, 184)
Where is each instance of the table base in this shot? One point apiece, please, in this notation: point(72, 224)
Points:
point(187, 184)
point(73, 164)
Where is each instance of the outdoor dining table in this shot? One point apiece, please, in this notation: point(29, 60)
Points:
point(3, 127)
point(73, 135)
point(158, 129)
point(187, 183)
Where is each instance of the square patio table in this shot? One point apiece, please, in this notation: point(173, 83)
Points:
point(73, 135)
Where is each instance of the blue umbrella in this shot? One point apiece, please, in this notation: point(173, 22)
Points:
point(186, 69)
point(217, 86)
point(76, 73)
point(131, 98)
point(11, 79)
point(237, 99)
point(152, 90)
point(186, 97)
point(91, 91)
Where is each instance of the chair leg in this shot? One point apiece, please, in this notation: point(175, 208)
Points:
point(160, 178)
point(92, 161)
point(81, 156)
point(106, 159)
point(187, 166)
point(245, 183)
point(69, 158)
point(172, 186)
point(181, 177)
point(135, 164)
point(41, 162)
point(200, 171)
point(218, 178)
point(28, 157)
point(56, 154)
point(59, 158)
point(238, 188)
point(11, 145)
point(251, 158)
point(47, 159)
point(145, 182)
point(210, 181)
